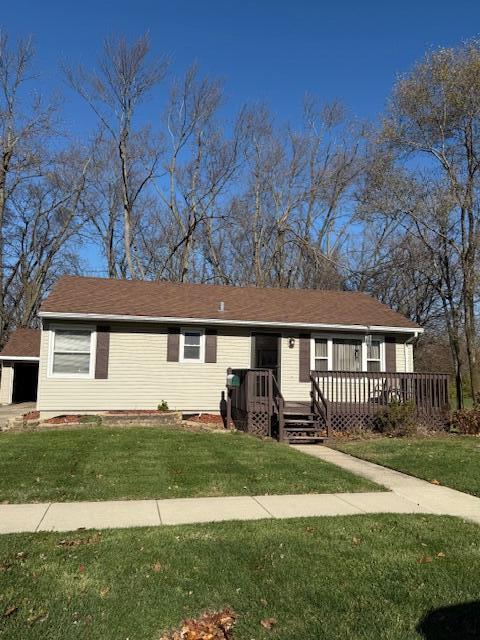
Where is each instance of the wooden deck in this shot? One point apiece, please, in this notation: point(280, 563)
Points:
point(340, 401)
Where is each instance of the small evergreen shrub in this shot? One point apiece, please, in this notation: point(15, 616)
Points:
point(163, 406)
point(466, 421)
point(397, 419)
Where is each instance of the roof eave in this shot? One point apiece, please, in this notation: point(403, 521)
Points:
point(57, 315)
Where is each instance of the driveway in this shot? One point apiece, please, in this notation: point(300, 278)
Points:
point(8, 411)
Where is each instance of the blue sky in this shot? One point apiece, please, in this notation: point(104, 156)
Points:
point(265, 50)
point(271, 51)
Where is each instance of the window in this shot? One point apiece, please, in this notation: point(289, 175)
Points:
point(348, 353)
point(72, 352)
point(192, 345)
point(374, 355)
point(321, 354)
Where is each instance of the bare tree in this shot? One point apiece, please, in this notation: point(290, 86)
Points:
point(434, 118)
point(199, 165)
point(46, 216)
point(26, 135)
point(416, 215)
point(289, 220)
point(124, 79)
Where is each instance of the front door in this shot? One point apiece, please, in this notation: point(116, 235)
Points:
point(266, 353)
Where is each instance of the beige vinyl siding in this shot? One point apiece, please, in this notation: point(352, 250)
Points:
point(292, 389)
point(140, 377)
point(6, 383)
point(404, 357)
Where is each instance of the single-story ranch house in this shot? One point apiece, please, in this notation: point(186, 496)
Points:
point(117, 344)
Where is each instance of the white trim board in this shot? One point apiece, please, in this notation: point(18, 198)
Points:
point(51, 352)
point(21, 358)
point(218, 321)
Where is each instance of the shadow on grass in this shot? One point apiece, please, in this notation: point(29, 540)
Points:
point(457, 622)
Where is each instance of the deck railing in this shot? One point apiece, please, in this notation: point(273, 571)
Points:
point(320, 406)
point(341, 399)
point(367, 392)
point(256, 404)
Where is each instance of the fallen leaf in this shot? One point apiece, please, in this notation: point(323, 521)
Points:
point(212, 626)
point(425, 559)
point(355, 540)
point(77, 542)
point(441, 554)
point(157, 567)
point(268, 623)
point(9, 611)
point(40, 616)
point(434, 481)
point(81, 568)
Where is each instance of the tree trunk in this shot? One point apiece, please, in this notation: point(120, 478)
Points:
point(470, 340)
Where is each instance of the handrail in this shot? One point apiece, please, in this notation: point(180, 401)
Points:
point(258, 391)
point(320, 403)
point(278, 405)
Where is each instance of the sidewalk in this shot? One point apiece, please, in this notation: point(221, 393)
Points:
point(406, 495)
point(433, 498)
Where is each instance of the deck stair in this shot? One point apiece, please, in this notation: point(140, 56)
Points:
point(301, 424)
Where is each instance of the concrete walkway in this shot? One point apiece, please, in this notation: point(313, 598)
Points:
point(430, 497)
point(406, 495)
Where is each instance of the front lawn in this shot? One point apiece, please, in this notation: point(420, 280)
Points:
point(349, 578)
point(111, 464)
point(452, 460)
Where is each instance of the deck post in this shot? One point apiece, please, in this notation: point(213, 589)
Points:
point(229, 403)
point(281, 420)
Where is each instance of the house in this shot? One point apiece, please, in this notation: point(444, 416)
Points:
point(116, 345)
point(19, 366)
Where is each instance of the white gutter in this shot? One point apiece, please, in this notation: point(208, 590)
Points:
point(218, 321)
point(22, 358)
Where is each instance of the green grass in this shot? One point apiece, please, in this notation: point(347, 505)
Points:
point(350, 578)
point(103, 464)
point(452, 460)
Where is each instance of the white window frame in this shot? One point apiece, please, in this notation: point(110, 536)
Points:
point(93, 350)
point(201, 332)
point(329, 337)
point(381, 359)
point(329, 357)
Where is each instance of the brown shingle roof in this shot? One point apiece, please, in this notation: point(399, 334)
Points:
point(99, 296)
point(23, 343)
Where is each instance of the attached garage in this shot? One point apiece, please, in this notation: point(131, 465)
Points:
point(19, 367)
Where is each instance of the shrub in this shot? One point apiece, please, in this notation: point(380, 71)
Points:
point(163, 406)
point(397, 419)
point(466, 421)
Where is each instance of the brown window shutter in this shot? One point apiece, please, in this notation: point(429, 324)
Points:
point(173, 344)
point(103, 352)
point(210, 345)
point(304, 357)
point(390, 353)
